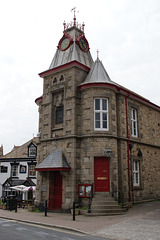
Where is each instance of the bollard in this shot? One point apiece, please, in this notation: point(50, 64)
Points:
point(15, 205)
point(46, 208)
point(74, 211)
point(89, 207)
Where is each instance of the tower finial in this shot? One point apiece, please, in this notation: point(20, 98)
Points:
point(74, 19)
point(97, 54)
point(64, 24)
point(83, 26)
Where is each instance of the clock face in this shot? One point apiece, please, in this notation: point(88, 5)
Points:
point(83, 44)
point(65, 43)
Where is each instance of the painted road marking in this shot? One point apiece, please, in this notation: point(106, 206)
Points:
point(46, 227)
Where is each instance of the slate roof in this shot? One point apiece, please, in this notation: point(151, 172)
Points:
point(98, 74)
point(20, 151)
point(55, 160)
point(73, 53)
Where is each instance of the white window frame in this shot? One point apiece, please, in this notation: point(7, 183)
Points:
point(136, 173)
point(32, 151)
point(102, 112)
point(134, 131)
point(31, 168)
point(14, 169)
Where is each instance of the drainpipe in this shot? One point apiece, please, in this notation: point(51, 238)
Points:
point(129, 185)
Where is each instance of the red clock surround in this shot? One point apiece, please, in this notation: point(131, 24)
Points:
point(65, 42)
point(82, 42)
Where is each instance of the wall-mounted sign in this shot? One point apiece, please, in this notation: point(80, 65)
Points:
point(85, 190)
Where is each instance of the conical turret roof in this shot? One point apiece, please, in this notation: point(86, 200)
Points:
point(98, 74)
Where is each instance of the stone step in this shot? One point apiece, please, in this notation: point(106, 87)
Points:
point(102, 214)
point(105, 207)
point(103, 199)
point(105, 202)
point(107, 210)
point(102, 194)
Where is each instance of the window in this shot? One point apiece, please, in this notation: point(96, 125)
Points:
point(57, 108)
point(136, 173)
point(101, 114)
point(134, 122)
point(32, 151)
point(3, 169)
point(32, 171)
point(59, 115)
point(14, 170)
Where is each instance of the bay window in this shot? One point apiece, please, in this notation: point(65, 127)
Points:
point(101, 114)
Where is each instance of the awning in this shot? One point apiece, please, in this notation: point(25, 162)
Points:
point(23, 188)
point(10, 182)
point(55, 161)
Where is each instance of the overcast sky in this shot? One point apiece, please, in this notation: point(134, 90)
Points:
point(126, 32)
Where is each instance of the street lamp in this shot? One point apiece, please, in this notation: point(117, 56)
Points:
point(107, 151)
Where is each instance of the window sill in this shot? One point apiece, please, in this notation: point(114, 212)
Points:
point(101, 130)
point(137, 188)
point(55, 129)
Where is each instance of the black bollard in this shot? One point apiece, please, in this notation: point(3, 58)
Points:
point(89, 207)
point(74, 211)
point(46, 208)
point(15, 205)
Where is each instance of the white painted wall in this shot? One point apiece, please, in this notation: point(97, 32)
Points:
point(4, 176)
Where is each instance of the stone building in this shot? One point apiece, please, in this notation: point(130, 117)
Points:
point(95, 136)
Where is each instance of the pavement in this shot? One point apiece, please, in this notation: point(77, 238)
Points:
point(141, 222)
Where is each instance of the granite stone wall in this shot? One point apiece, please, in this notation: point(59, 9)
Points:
point(80, 143)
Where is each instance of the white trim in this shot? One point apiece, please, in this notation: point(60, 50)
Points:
point(136, 173)
point(15, 170)
point(101, 112)
point(134, 131)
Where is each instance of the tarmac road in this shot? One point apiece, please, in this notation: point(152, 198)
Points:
point(13, 230)
point(141, 222)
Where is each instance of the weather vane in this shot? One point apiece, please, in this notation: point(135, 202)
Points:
point(74, 19)
point(74, 23)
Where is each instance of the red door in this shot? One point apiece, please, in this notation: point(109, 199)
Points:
point(55, 191)
point(101, 174)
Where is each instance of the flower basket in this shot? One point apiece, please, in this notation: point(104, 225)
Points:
point(31, 208)
point(4, 207)
point(77, 211)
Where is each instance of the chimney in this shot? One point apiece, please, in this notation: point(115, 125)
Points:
point(1, 151)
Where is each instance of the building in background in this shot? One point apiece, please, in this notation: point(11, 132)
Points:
point(95, 136)
point(18, 168)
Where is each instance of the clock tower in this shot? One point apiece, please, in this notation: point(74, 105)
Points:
point(60, 119)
